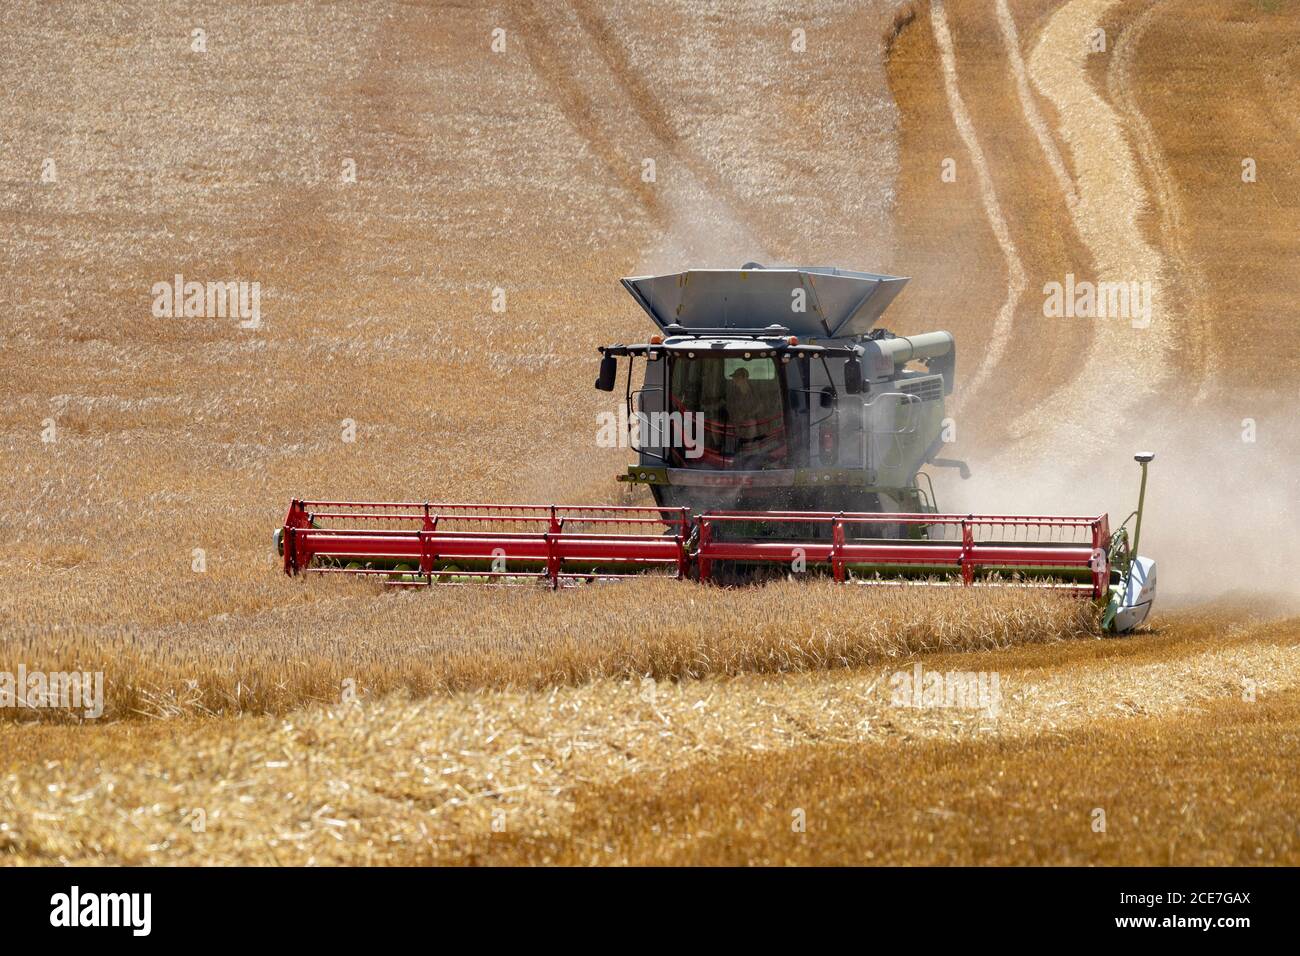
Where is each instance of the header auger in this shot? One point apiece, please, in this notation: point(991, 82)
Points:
point(780, 431)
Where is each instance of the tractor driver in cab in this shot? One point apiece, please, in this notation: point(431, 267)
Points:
point(755, 427)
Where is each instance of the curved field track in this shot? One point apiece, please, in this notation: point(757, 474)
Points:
point(1129, 352)
point(1000, 332)
point(1122, 164)
point(436, 199)
point(1174, 240)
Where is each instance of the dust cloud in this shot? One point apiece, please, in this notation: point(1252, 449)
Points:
point(1222, 515)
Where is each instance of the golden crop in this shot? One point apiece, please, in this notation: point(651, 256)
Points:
point(146, 460)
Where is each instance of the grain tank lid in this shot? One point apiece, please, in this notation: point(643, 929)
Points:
point(837, 303)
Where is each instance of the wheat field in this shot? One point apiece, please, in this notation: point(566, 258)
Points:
point(528, 638)
point(437, 227)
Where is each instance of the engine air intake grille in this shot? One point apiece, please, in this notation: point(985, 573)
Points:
point(926, 389)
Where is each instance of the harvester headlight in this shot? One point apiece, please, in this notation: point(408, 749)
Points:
point(656, 340)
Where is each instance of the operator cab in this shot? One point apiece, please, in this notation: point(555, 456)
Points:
point(738, 401)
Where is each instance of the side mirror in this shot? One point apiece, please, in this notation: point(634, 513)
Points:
point(853, 377)
point(608, 374)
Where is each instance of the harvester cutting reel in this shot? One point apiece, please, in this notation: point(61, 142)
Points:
point(424, 543)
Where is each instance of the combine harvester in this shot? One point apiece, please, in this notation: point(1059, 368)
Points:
point(780, 430)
